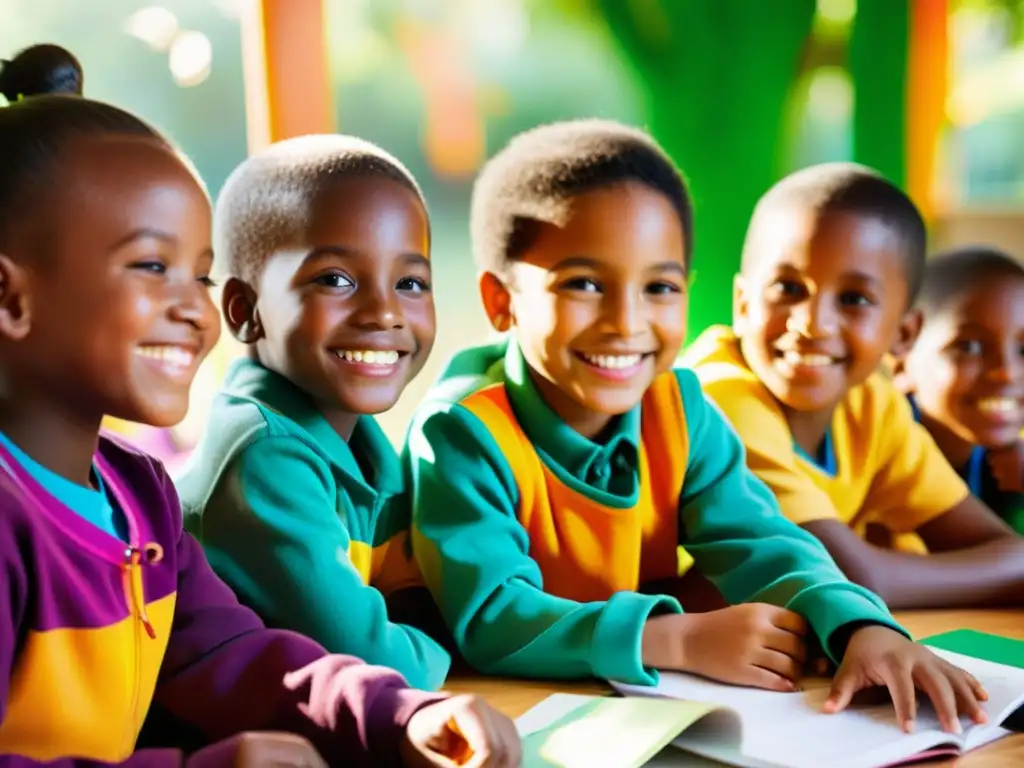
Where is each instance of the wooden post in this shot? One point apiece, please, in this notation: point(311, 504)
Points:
point(286, 70)
point(927, 88)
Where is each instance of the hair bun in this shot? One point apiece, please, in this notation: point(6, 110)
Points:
point(41, 69)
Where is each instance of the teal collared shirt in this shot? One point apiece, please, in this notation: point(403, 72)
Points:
point(309, 530)
point(475, 555)
point(608, 464)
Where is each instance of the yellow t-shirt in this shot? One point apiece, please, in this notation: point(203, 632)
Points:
point(887, 468)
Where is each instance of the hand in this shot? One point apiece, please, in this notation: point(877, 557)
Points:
point(1007, 465)
point(461, 731)
point(877, 656)
point(259, 750)
point(751, 644)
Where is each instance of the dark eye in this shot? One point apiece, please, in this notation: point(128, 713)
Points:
point(150, 265)
point(969, 347)
point(334, 280)
point(413, 285)
point(583, 284)
point(662, 288)
point(208, 281)
point(854, 299)
point(787, 288)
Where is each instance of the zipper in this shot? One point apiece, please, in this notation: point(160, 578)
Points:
point(135, 599)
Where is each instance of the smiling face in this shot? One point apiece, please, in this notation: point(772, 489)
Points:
point(967, 366)
point(349, 318)
point(820, 304)
point(121, 315)
point(598, 305)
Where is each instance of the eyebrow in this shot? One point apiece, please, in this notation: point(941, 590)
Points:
point(345, 252)
point(142, 234)
point(587, 261)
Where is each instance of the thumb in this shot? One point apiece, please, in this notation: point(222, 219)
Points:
point(844, 686)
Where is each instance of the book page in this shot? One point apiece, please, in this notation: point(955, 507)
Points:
point(569, 731)
point(789, 728)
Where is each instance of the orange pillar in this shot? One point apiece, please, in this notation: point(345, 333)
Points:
point(927, 84)
point(286, 70)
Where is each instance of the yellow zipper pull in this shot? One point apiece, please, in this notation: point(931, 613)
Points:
point(134, 590)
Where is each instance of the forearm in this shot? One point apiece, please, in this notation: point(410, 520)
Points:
point(984, 575)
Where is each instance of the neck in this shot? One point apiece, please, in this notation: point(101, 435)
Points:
point(62, 442)
point(808, 428)
point(585, 421)
point(956, 450)
point(343, 422)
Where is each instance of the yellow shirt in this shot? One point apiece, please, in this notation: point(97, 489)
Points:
point(887, 468)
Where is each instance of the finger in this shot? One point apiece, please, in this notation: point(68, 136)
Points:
point(979, 690)
point(900, 682)
point(514, 746)
point(967, 700)
point(295, 680)
point(786, 642)
point(933, 681)
point(467, 722)
point(779, 663)
point(789, 621)
point(844, 686)
point(759, 677)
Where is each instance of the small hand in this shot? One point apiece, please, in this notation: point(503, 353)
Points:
point(1007, 466)
point(880, 656)
point(461, 731)
point(751, 644)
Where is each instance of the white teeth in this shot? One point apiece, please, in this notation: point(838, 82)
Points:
point(809, 360)
point(170, 355)
point(1003, 406)
point(369, 356)
point(613, 361)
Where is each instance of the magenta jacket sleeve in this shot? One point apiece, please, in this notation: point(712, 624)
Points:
point(224, 673)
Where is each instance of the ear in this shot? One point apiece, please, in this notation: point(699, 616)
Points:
point(739, 303)
point(238, 302)
point(908, 331)
point(497, 301)
point(15, 301)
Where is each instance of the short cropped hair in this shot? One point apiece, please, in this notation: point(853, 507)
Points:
point(950, 274)
point(266, 202)
point(846, 188)
point(535, 176)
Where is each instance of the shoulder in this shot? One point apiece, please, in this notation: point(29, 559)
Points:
point(467, 372)
point(716, 361)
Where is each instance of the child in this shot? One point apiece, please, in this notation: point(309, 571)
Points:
point(293, 490)
point(832, 261)
point(108, 607)
point(964, 372)
point(573, 459)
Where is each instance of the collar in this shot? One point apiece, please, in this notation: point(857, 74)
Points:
point(552, 436)
point(249, 380)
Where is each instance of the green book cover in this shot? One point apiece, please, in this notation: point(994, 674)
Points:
point(980, 645)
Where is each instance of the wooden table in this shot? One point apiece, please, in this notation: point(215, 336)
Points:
point(514, 697)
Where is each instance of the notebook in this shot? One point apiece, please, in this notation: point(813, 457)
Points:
point(788, 730)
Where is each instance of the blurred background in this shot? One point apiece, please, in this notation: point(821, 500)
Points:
point(930, 92)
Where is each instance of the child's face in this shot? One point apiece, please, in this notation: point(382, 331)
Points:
point(119, 313)
point(599, 304)
point(350, 318)
point(820, 305)
point(967, 366)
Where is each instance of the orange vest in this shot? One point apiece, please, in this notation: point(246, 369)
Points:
point(586, 550)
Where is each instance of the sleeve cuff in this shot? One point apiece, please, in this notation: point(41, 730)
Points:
point(618, 635)
point(830, 607)
point(391, 711)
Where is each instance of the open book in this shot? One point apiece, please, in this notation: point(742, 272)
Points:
point(715, 723)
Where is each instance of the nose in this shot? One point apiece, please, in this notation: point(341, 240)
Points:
point(1009, 366)
point(814, 317)
point(193, 305)
point(378, 309)
point(623, 313)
